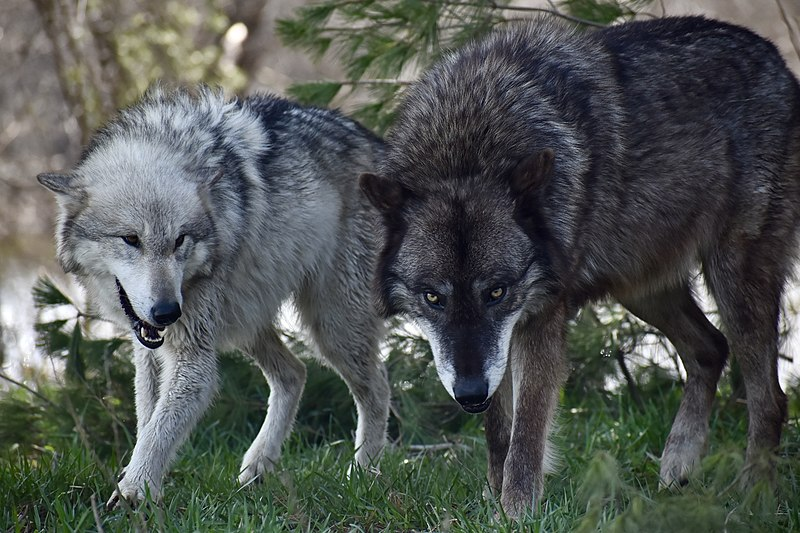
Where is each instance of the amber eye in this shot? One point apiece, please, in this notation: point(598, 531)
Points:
point(496, 294)
point(179, 241)
point(432, 298)
point(131, 240)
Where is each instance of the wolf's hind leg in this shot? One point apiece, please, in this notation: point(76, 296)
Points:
point(370, 389)
point(703, 351)
point(355, 359)
point(286, 376)
point(346, 334)
point(748, 288)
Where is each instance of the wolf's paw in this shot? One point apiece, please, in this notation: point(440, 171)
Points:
point(371, 469)
point(678, 461)
point(369, 454)
point(254, 470)
point(674, 474)
point(758, 470)
point(132, 491)
point(516, 503)
point(521, 498)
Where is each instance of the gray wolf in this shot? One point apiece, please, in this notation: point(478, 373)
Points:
point(542, 168)
point(189, 219)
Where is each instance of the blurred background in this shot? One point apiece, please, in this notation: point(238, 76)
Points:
point(66, 65)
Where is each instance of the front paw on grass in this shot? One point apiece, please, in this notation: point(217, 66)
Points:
point(131, 491)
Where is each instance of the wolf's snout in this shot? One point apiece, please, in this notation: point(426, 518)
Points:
point(165, 313)
point(472, 394)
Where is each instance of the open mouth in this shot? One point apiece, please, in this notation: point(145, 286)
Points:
point(150, 336)
point(477, 408)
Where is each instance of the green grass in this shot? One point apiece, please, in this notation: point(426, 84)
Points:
point(608, 482)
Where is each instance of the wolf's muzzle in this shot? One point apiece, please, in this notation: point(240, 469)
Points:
point(472, 394)
point(165, 313)
point(149, 335)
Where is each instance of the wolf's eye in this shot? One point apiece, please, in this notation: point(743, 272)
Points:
point(496, 294)
point(433, 299)
point(179, 241)
point(131, 240)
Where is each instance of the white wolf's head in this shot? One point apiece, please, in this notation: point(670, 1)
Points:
point(134, 225)
point(137, 222)
point(465, 260)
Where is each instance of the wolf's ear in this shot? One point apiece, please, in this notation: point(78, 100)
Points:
point(60, 184)
point(208, 177)
point(532, 172)
point(216, 177)
point(386, 195)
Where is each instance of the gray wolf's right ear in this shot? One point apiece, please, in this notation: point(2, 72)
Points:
point(386, 195)
point(60, 183)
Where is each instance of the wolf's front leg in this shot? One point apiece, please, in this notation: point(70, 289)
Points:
point(190, 372)
point(146, 384)
point(497, 424)
point(538, 371)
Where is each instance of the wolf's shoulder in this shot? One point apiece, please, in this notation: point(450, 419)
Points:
point(277, 113)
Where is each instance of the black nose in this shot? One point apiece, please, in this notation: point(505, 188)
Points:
point(165, 313)
point(472, 394)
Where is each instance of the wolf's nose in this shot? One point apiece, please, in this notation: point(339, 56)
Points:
point(471, 392)
point(165, 313)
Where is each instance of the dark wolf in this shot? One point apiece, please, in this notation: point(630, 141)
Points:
point(190, 219)
point(542, 168)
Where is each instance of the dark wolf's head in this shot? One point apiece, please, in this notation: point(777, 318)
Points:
point(479, 194)
point(460, 261)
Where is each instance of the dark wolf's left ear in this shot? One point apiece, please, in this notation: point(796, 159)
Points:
point(532, 173)
point(386, 195)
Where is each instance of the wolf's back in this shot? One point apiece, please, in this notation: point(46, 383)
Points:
point(695, 77)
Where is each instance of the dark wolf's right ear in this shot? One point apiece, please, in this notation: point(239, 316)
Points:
point(532, 173)
point(386, 195)
point(62, 184)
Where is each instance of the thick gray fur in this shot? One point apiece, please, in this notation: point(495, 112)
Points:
point(542, 168)
point(236, 206)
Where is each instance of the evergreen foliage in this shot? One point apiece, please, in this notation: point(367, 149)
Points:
point(382, 44)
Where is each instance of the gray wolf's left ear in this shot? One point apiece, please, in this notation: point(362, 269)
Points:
point(385, 194)
point(208, 176)
point(216, 177)
point(59, 183)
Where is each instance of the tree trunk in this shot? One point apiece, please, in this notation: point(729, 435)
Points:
point(77, 56)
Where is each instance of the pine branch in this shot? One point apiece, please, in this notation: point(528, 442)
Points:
point(45, 293)
point(554, 11)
